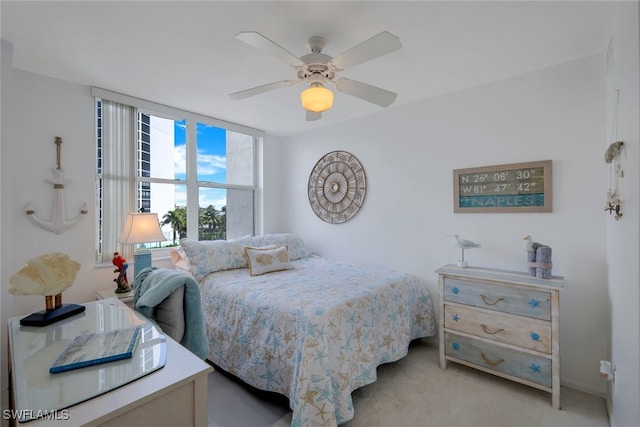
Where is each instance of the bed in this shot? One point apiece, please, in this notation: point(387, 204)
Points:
point(310, 328)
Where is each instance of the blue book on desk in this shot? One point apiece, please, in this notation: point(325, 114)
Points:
point(94, 349)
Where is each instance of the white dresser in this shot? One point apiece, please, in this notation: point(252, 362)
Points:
point(502, 322)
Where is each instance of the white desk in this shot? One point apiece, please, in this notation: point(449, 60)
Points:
point(175, 394)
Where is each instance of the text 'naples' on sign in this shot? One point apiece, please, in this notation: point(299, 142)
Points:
point(516, 187)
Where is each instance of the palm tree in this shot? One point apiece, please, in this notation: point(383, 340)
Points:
point(222, 222)
point(177, 218)
point(209, 222)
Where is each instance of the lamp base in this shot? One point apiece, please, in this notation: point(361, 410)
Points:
point(141, 260)
point(47, 317)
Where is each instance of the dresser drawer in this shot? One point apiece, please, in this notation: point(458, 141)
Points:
point(522, 332)
point(525, 302)
point(536, 369)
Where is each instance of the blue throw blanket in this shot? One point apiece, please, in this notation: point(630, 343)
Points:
point(153, 285)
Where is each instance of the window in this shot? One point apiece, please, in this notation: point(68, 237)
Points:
point(197, 173)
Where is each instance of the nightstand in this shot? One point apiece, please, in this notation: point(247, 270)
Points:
point(105, 293)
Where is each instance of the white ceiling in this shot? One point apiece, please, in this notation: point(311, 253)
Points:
point(185, 54)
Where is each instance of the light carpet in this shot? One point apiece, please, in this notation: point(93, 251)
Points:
point(415, 392)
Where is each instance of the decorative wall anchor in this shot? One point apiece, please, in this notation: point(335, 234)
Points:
point(59, 222)
point(612, 158)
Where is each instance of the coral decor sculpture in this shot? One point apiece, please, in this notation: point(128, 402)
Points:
point(49, 275)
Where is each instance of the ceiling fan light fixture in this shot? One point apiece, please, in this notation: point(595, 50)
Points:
point(316, 98)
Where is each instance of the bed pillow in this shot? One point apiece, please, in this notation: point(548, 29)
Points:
point(266, 260)
point(180, 260)
point(209, 256)
point(293, 242)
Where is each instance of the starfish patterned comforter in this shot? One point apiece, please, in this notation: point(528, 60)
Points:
point(314, 333)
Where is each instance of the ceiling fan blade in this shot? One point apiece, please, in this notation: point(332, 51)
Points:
point(369, 93)
point(378, 45)
point(312, 116)
point(261, 89)
point(262, 43)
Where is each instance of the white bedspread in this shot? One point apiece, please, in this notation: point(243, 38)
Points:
point(315, 333)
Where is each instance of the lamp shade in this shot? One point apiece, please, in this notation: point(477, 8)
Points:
point(316, 99)
point(141, 228)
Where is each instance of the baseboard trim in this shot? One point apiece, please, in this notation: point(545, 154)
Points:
point(584, 387)
point(609, 410)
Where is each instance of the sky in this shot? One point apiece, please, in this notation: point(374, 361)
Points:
point(212, 162)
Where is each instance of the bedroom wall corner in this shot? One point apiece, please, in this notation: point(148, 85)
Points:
point(623, 250)
point(6, 59)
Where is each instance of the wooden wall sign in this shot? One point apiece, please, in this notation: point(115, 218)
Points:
point(515, 187)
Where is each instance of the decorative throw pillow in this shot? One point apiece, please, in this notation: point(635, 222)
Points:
point(267, 260)
point(295, 244)
point(180, 260)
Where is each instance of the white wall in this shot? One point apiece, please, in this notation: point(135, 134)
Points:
point(36, 109)
point(270, 185)
point(3, 304)
point(409, 153)
point(623, 75)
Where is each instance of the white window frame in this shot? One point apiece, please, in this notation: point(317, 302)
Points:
point(191, 182)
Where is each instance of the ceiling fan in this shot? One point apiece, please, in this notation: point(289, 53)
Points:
point(318, 69)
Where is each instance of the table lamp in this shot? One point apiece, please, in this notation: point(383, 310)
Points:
point(141, 228)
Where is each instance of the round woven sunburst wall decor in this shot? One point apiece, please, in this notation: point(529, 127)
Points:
point(337, 186)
